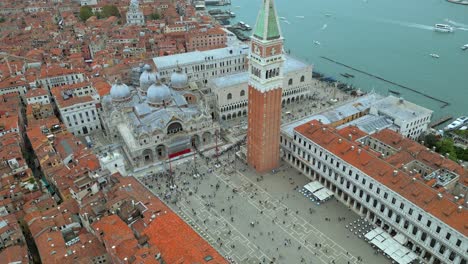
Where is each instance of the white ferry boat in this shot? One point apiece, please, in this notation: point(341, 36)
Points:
point(459, 122)
point(464, 47)
point(443, 28)
point(433, 55)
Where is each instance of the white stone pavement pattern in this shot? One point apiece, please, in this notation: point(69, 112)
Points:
point(265, 220)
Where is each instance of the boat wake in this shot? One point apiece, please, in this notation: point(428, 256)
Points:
point(324, 27)
point(407, 24)
point(457, 24)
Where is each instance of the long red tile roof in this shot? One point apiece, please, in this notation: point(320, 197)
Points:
point(178, 243)
point(415, 191)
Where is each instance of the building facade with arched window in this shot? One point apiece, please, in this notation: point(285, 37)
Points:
point(230, 100)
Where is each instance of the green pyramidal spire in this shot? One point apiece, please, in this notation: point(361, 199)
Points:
point(267, 27)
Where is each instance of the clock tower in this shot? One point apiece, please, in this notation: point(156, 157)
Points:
point(265, 91)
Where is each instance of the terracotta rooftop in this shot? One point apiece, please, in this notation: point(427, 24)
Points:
point(64, 103)
point(36, 92)
point(15, 254)
point(420, 153)
point(117, 236)
point(179, 243)
point(101, 85)
point(415, 191)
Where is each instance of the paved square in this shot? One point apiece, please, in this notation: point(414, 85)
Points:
point(254, 219)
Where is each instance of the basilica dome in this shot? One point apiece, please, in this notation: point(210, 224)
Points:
point(147, 78)
point(179, 80)
point(159, 93)
point(119, 91)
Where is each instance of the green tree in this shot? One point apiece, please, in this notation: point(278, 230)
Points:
point(2, 19)
point(155, 16)
point(85, 13)
point(462, 154)
point(110, 10)
point(446, 146)
point(430, 140)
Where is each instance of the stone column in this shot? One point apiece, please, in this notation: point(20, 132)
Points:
point(394, 216)
point(446, 253)
point(437, 246)
point(423, 252)
point(418, 235)
point(385, 211)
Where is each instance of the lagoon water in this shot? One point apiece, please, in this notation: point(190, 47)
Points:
point(388, 38)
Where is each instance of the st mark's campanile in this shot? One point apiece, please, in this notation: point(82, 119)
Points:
point(265, 91)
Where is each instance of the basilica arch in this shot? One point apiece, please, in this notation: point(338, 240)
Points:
point(147, 155)
point(161, 152)
point(174, 128)
point(207, 137)
point(195, 141)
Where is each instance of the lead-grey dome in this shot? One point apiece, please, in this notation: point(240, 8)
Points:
point(159, 93)
point(119, 91)
point(147, 78)
point(179, 80)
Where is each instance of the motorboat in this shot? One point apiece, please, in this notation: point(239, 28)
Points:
point(443, 28)
point(316, 42)
point(282, 18)
point(459, 122)
point(247, 27)
point(394, 92)
point(464, 47)
point(433, 55)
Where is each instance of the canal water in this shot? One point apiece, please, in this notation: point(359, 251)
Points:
point(388, 38)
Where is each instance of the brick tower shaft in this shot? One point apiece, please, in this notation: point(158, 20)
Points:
point(265, 91)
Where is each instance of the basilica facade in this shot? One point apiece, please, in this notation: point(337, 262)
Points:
point(157, 121)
